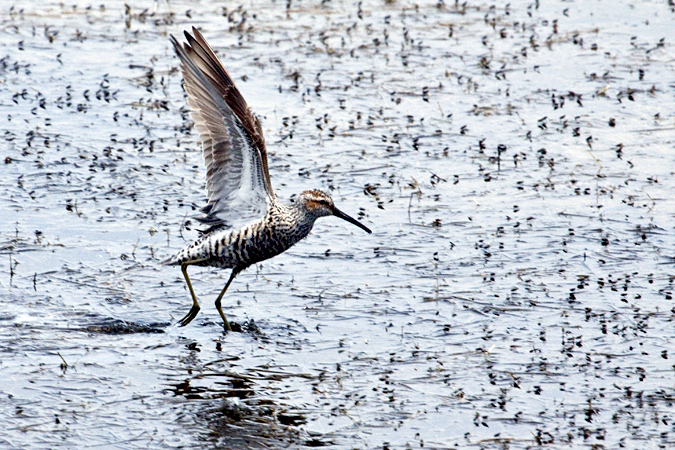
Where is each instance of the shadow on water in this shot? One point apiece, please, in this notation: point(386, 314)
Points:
point(116, 327)
point(112, 326)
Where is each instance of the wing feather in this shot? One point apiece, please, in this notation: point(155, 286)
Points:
point(237, 175)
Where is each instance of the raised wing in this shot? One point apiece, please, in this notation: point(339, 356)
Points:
point(237, 176)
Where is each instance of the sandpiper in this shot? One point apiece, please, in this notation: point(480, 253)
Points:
point(246, 223)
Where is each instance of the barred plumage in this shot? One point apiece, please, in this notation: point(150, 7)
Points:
point(247, 222)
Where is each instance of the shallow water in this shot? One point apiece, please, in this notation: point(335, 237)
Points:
point(514, 160)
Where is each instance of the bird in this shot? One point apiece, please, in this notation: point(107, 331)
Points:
point(246, 222)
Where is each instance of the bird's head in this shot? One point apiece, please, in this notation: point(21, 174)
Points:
point(320, 204)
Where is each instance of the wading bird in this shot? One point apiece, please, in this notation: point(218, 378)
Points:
point(247, 224)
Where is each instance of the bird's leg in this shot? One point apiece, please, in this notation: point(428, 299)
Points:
point(195, 304)
point(234, 273)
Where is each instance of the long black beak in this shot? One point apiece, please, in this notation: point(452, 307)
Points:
point(343, 216)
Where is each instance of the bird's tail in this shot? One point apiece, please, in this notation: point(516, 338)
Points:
point(172, 261)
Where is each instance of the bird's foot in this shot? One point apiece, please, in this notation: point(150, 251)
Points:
point(189, 316)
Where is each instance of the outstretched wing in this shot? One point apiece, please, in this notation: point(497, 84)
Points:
point(237, 176)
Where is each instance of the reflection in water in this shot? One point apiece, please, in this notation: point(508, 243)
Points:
point(239, 417)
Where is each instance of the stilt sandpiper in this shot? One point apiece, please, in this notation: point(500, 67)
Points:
point(247, 224)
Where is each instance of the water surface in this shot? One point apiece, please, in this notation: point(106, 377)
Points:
point(515, 161)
